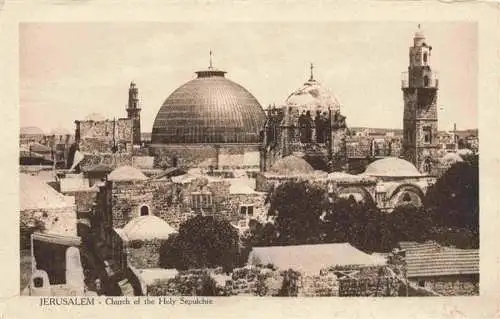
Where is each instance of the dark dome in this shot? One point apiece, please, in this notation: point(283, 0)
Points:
point(209, 109)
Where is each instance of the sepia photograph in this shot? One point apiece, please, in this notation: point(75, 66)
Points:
point(256, 159)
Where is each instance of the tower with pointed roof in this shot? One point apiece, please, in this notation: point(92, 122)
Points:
point(420, 119)
point(134, 112)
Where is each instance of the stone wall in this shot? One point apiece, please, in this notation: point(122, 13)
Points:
point(127, 198)
point(181, 155)
point(99, 136)
point(55, 220)
point(463, 285)
point(319, 285)
point(243, 281)
point(114, 160)
point(232, 204)
point(142, 254)
point(172, 201)
point(192, 155)
point(84, 199)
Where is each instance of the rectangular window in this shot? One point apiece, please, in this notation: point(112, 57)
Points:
point(427, 130)
point(243, 210)
point(201, 200)
point(380, 196)
point(246, 210)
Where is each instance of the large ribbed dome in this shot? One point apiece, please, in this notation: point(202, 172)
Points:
point(392, 167)
point(209, 109)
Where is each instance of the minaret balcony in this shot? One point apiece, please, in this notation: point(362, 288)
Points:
point(431, 81)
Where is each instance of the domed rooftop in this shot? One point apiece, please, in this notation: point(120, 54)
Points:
point(31, 130)
point(209, 109)
point(148, 227)
point(126, 173)
point(451, 158)
point(291, 165)
point(312, 96)
point(391, 167)
point(60, 131)
point(95, 117)
point(100, 168)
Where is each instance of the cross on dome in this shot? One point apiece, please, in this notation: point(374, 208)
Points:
point(312, 73)
point(211, 66)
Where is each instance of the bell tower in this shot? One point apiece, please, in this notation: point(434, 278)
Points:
point(420, 120)
point(134, 113)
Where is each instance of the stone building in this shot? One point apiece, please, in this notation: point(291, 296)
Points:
point(447, 271)
point(206, 118)
point(128, 194)
point(56, 266)
point(398, 183)
point(52, 146)
point(105, 141)
point(41, 204)
point(420, 121)
point(388, 182)
point(309, 123)
point(140, 241)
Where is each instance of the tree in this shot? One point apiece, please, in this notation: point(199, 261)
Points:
point(202, 242)
point(454, 199)
point(358, 223)
point(297, 207)
point(410, 223)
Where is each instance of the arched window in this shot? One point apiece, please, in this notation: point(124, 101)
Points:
point(144, 210)
point(427, 166)
point(425, 57)
point(426, 81)
point(406, 197)
point(38, 282)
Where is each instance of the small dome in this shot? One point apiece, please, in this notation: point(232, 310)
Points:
point(392, 167)
point(100, 168)
point(148, 227)
point(451, 158)
point(95, 117)
point(31, 130)
point(126, 173)
point(60, 131)
point(344, 177)
point(464, 151)
point(291, 165)
point(39, 148)
point(312, 96)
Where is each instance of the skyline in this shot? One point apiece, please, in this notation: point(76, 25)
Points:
point(99, 64)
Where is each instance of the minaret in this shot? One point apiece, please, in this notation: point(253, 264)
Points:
point(420, 121)
point(311, 78)
point(134, 113)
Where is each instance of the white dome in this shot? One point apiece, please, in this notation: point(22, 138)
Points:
point(312, 96)
point(392, 167)
point(148, 227)
point(451, 158)
point(291, 165)
point(60, 131)
point(464, 151)
point(95, 117)
point(126, 173)
point(31, 130)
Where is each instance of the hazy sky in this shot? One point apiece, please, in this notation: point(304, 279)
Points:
point(70, 70)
